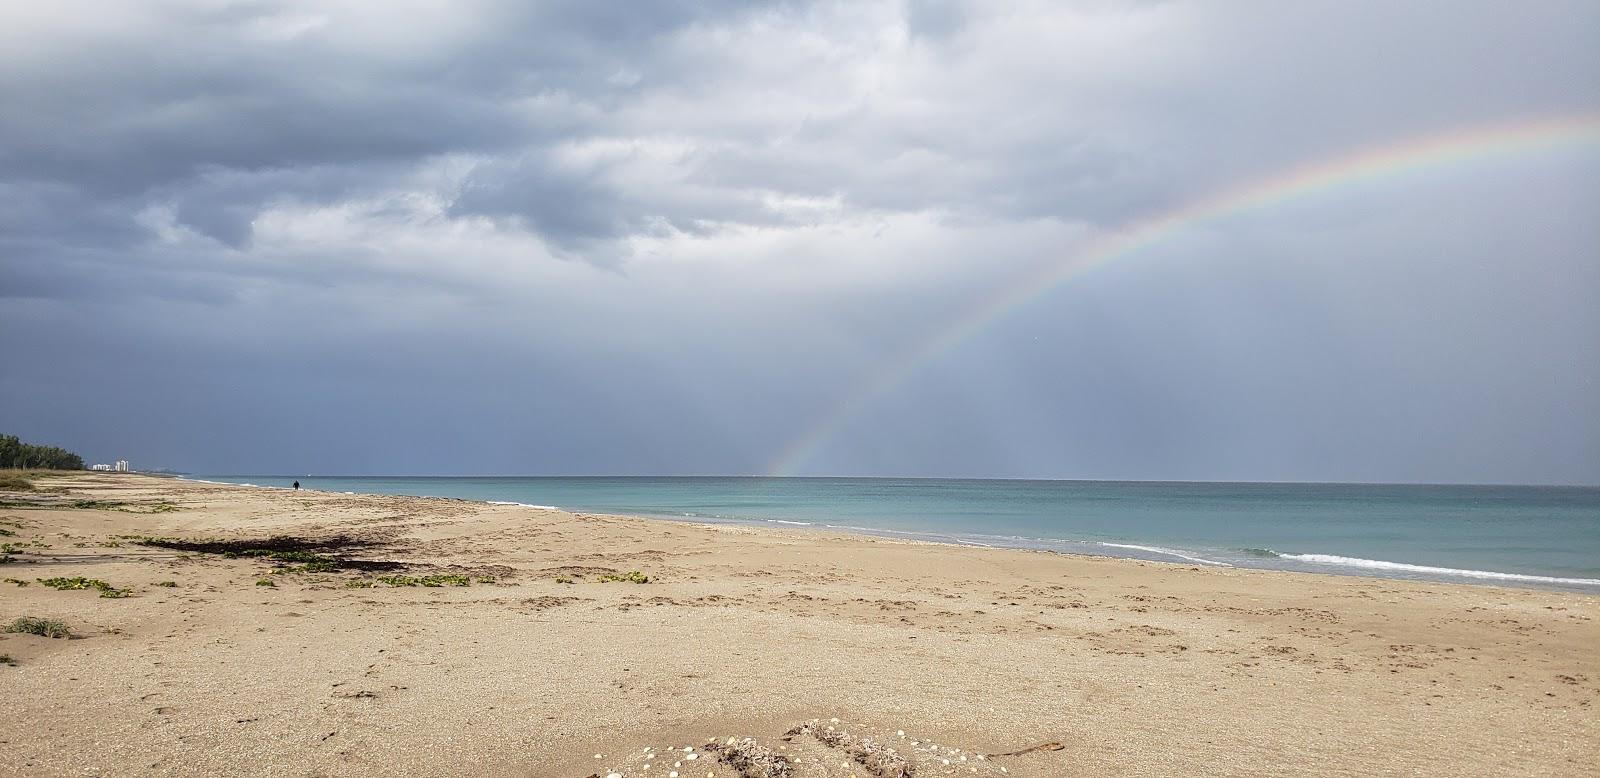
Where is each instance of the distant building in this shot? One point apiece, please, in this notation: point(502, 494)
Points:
point(103, 468)
point(122, 466)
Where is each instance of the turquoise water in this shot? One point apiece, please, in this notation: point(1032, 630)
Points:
point(1515, 535)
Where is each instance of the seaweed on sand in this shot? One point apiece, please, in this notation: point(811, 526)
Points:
point(878, 759)
point(315, 554)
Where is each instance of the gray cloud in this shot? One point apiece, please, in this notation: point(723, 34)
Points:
point(673, 237)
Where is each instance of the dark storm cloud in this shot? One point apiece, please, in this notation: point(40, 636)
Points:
point(673, 237)
point(176, 102)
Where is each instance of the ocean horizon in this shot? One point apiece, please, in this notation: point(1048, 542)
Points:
point(1540, 536)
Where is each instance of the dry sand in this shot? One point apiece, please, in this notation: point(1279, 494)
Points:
point(1132, 668)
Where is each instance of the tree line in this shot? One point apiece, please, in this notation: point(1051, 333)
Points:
point(16, 454)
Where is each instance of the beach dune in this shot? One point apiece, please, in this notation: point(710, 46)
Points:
point(416, 636)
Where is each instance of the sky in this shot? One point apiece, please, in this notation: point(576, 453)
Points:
point(474, 237)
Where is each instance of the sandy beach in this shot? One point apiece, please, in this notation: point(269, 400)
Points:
point(768, 652)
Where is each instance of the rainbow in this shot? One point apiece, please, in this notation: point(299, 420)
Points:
point(1370, 164)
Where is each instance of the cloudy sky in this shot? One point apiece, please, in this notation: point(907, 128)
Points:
point(351, 236)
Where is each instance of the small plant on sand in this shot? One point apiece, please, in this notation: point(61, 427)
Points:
point(17, 581)
point(167, 584)
point(15, 483)
point(486, 579)
point(30, 625)
point(159, 507)
point(426, 580)
point(309, 567)
point(79, 582)
point(563, 580)
point(360, 583)
point(266, 582)
point(278, 556)
point(71, 583)
point(5, 659)
point(632, 576)
point(5, 533)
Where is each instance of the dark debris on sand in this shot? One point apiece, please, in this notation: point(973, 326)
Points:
point(286, 548)
point(752, 759)
point(878, 759)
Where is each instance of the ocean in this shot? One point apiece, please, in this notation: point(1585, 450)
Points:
point(1548, 537)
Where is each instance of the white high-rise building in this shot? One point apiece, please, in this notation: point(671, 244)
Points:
point(122, 466)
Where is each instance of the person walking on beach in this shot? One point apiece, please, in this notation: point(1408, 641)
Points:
point(297, 486)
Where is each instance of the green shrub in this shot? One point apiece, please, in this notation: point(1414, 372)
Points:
point(106, 590)
point(15, 483)
point(632, 576)
point(167, 584)
point(35, 626)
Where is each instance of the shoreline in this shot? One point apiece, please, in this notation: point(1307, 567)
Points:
point(548, 653)
point(1332, 564)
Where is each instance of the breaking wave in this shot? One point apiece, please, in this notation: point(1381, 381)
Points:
point(1402, 567)
point(1259, 553)
point(1166, 552)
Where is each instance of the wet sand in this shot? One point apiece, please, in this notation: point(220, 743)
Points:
point(538, 667)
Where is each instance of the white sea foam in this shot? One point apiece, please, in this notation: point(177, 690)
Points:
point(796, 523)
point(1378, 564)
point(524, 505)
point(1166, 552)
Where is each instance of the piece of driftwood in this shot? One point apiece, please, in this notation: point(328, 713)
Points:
point(1051, 746)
